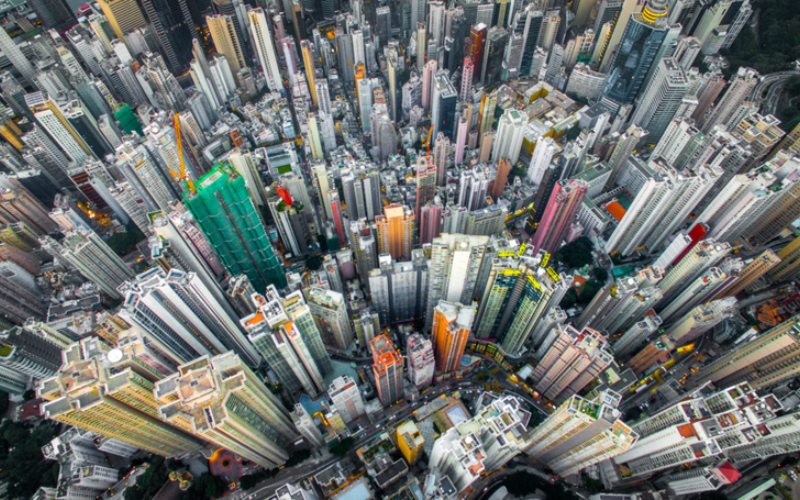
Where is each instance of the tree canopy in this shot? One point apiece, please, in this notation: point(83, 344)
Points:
point(21, 457)
point(576, 254)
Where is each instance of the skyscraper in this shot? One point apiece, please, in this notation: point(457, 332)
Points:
point(762, 362)
point(395, 231)
point(54, 14)
point(17, 58)
point(387, 368)
point(124, 16)
point(426, 182)
point(218, 399)
point(223, 31)
point(329, 309)
point(346, 398)
point(443, 105)
point(572, 358)
point(92, 256)
point(517, 295)
point(581, 432)
point(510, 134)
point(421, 361)
point(174, 28)
point(262, 36)
point(451, 327)
point(284, 332)
point(637, 51)
point(399, 289)
point(227, 216)
point(560, 215)
point(114, 400)
point(662, 97)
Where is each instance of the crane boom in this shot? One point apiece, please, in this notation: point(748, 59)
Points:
point(182, 176)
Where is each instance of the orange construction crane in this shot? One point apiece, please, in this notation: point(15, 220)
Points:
point(428, 140)
point(183, 176)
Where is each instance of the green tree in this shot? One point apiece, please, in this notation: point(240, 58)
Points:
point(588, 291)
point(577, 253)
point(21, 459)
point(206, 486)
point(148, 484)
point(314, 262)
point(341, 448)
point(600, 274)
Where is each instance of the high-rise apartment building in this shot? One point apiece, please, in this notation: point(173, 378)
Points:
point(421, 362)
point(181, 312)
point(52, 116)
point(262, 36)
point(226, 214)
point(789, 264)
point(696, 427)
point(509, 137)
point(571, 359)
point(451, 328)
point(387, 368)
point(124, 16)
point(114, 400)
point(399, 289)
point(285, 333)
point(223, 31)
point(581, 432)
point(220, 400)
point(760, 266)
point(25, 357)
point(518, 294)
point(697, 261)
point(762, 362)
point(329, 309)
point(346, 398)
point(483, 443)
point(561, 212)
point(454, 267)
point(738, 90)
point(362, 194)
point(395, 230)
point(425, 181)
point(92, 256)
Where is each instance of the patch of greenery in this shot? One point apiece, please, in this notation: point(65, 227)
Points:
point(206, 486)
point(342, 447)
point(518, 171)
point(600, 274)
point(576, 254)
point(148, 484)
point(314, 262)
point(573, 133)
point(124, 243)
point(24, 468)
point(776, 45)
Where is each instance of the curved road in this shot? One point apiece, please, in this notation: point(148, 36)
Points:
point(773, 83)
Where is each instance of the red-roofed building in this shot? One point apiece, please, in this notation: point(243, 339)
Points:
point(30, 410)
point(615, 209)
